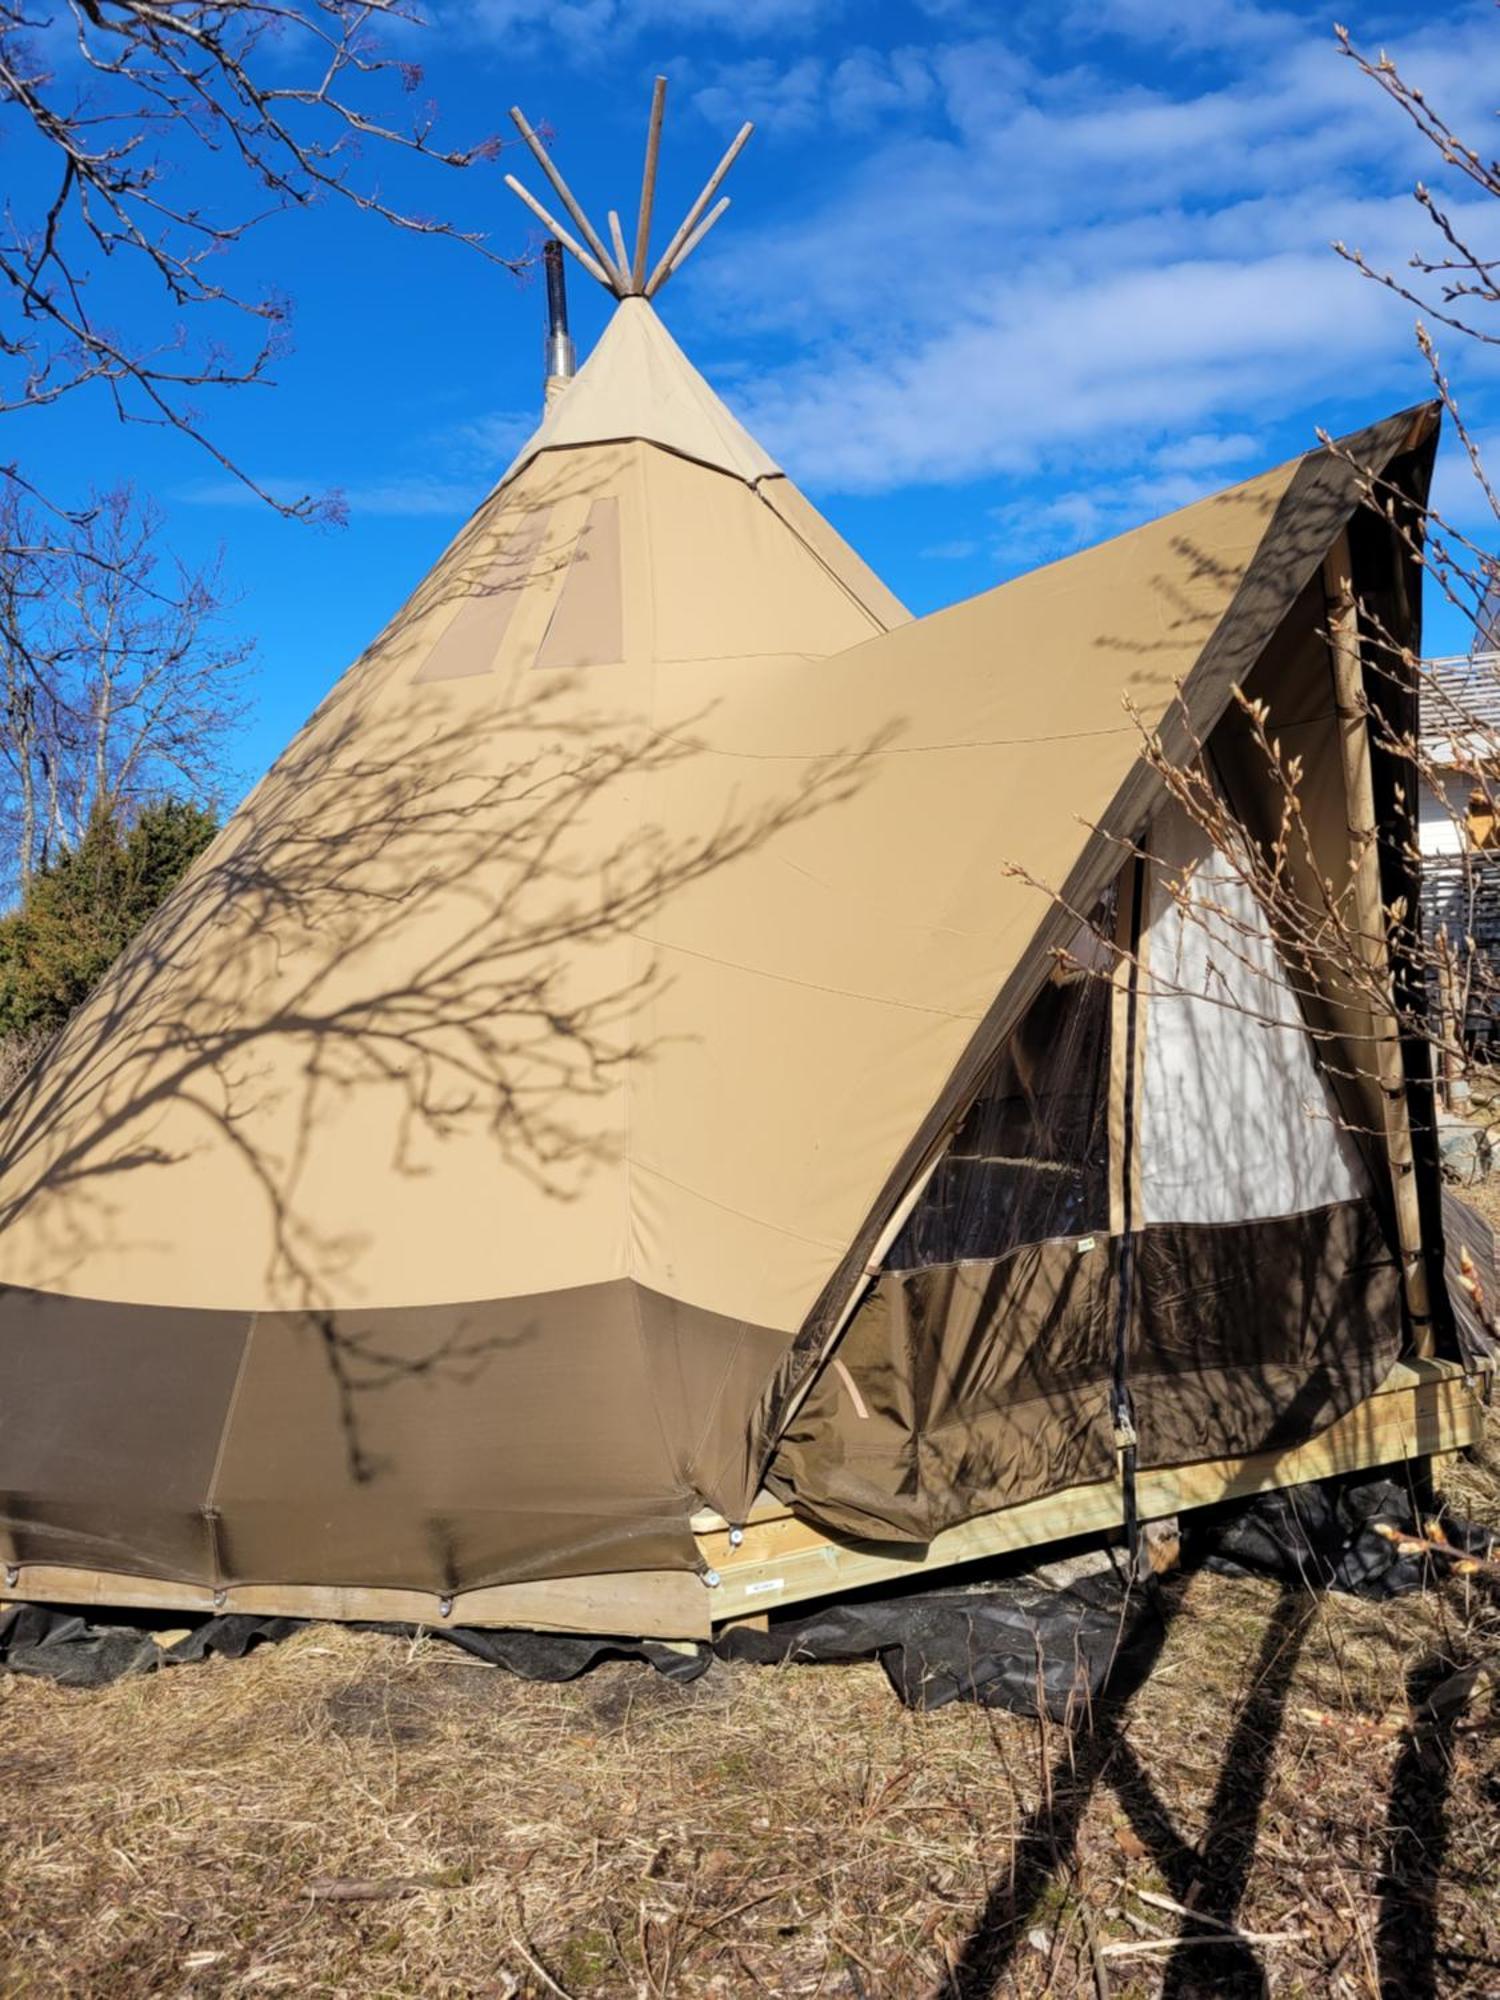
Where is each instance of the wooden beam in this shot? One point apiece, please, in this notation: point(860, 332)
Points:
point(1424, 1409)
point(564, 194)
point(1371, 936)
point(661, 1604)
point(648, 184)
point(690, 221)
point(617, 238)
point(694, 240)
point(595, 270)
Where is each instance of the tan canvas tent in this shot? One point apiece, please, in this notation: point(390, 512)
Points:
point(615, 1058)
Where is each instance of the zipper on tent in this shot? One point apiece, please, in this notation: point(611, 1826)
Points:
point(1122, 1405)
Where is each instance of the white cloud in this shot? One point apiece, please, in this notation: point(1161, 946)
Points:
point(1191, 24)
point(1032, 530)
point(1458, 491)
point(488, 443)
point(584, 26)
point(461, 462)
point(853, 93)
point(1040, 263)
point(1205, 451)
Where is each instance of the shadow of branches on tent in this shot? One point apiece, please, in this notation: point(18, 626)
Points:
point(410, 974)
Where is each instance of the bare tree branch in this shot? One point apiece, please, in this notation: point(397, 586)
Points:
point(115, 684)
point(297, 97)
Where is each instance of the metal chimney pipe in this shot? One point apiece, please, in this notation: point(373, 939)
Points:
point(562, 361)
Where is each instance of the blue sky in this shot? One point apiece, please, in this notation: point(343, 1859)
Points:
point(998, 281)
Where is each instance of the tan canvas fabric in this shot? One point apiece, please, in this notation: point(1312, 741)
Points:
point(638, 383)
point(384, 1048)
point(518, 980)
point(587, 627)
point(517, 984)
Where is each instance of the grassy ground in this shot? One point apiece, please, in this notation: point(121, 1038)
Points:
point(349, 1814)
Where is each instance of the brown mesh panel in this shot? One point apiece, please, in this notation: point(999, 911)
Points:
point(1251, 1337)
point(110, 1420)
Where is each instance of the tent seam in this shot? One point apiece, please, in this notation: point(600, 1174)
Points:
point(760, 1221)
point(209, 1509)
point(812, 985)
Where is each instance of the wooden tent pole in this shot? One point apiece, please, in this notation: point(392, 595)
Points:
point(568, 242)
point(617, 238)
point(690, 221)
point(565, 196)
point(1370, 928)
point(1455, 1085)
point(694, 240)
point(648, 184)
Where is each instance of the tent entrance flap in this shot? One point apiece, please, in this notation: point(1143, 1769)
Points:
point(1244, 1296)
point(977, 1372)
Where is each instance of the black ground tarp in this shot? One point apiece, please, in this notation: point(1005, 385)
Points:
point(1045, 1639)
point(66, 1647)
point(1323, 1537)
point(1023, 1643)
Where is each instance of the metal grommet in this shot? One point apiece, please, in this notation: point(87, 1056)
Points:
point(736, 1536)
point(219, 1600)
point(12, 1576)
point(445, 1607)
point(711, 1578)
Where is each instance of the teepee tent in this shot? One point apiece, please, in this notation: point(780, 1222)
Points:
point(614, 1059)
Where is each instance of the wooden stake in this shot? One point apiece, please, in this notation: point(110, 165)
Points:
point(690, 221)
point(1370, 928)
point(622, 255)
point(556, 229)
point(692, 243)
point(648, 184)
point(1455, 1087)
point(565, 196)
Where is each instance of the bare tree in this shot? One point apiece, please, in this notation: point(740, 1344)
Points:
point(1395, 963)
point(294, 102)
point(1454, 285)
point(117, 683)
point(116, 112)
point(1437, 723)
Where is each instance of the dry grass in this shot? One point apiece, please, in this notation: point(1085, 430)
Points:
point(766, 1832)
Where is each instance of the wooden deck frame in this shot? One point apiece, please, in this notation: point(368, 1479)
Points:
point(1424, 1409)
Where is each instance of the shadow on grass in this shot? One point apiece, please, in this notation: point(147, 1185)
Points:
point(1213, 1874)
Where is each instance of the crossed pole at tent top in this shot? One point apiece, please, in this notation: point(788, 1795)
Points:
point(617, 270)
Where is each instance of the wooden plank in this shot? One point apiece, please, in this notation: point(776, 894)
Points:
point(719, 209)
point(568, 242)
point(565, 195)
point(617, 239)
point(1424, 1409)
point(645, 1604)
point(689, 222)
